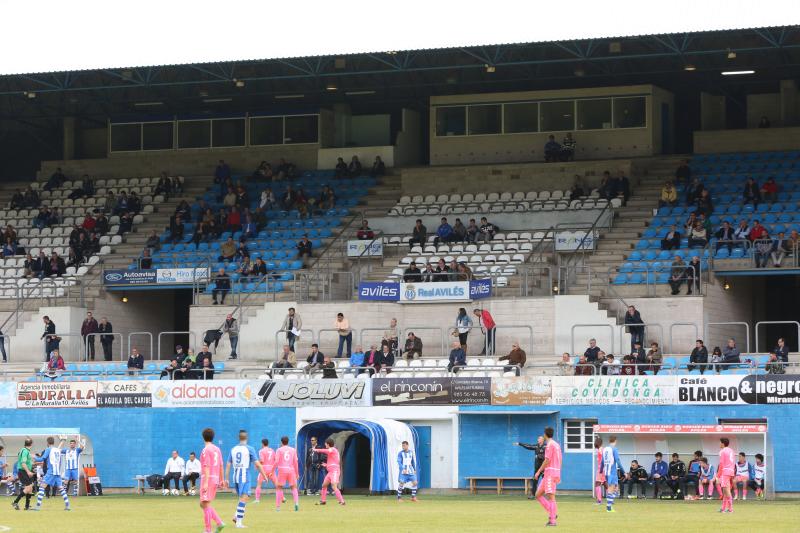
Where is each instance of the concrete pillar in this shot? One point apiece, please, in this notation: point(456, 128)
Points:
point(69, 138)
point(712, 112)
point(790, 103)
point(341, 119)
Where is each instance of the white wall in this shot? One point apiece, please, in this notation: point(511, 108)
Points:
point(570, 310)
point(27, 345)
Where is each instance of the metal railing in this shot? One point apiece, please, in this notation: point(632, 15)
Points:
point(141, 333)
point(191, 334)
point(672, 327)
point(707, 327)
point(575, 326)
point(775, 322)
point(92, 336)
point(532, 277)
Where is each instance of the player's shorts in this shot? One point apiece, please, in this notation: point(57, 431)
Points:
point(332, 477)
point(601, 478)
point(725, 482)
point(207, 495)
point(407, 478)
point(286, 476)
point(25, 479)
point(242, 488)
point(549, 483)
point(73, 474)
point(741, 479)
point(52, 481)
point(612, 479)
point(270, 477)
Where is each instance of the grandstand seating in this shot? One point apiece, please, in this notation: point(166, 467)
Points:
point(56, 238)
point(724, 175)
point(276, 243)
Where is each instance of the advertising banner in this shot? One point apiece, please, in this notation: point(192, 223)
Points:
point(443, 291)
point(532, 390)
point(129, 277)
point(378, 291)
point(570, 241)
point(594, 390)
point(680, 428)
point(480, 288)
point(733, 390)
point(169, 276)
point(315, 392)
point(58, 394)
point(210, 393)
point(431, 391)
point(370, 248)
point(125, 393)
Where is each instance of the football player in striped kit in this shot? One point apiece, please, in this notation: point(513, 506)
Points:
point(407, 462)
point(52, 458)
point(241, 457)
point(72, 464)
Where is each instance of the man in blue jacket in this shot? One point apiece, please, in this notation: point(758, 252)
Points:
point(658, 473)
point(444, 233)
point(458, 358)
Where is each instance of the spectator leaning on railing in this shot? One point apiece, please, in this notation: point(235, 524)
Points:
point(135, 362)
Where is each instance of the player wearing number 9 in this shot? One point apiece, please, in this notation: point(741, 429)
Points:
point(241, 457)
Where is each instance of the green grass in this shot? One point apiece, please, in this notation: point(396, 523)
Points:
point(461, 513)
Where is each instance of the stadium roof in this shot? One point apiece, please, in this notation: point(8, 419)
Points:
point(409, 77)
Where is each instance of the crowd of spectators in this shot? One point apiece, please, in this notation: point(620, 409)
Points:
point(565, 151)
point(355, 169)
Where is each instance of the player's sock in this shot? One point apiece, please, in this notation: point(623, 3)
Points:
point(75, 492)
point(39, 497)
point(610, 500)
point(212, 513)
point(278, 497)
point(295, 496)
point(598, 492)
point(28, 501)
point(240, 510)
point(207, 519)
point(19, 497)
point(323, 495)
point(553, 511)
point(544, 502)
point(65, 497)
point(338, 494)
point(258, 491)
point(744, 491)
point(400, 492)
point(700, 490)
point(413, 491)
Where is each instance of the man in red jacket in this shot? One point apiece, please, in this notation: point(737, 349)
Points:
point(487, 326)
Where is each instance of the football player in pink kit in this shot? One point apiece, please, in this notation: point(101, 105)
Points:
point(332, 464)
point(546, 492)
point(266, 456)
point(600, 477)
point(288, 472)
point(212, 476)
point(725, 472)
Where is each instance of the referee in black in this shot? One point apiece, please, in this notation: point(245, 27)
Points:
point(25, 474)
point(538, 450)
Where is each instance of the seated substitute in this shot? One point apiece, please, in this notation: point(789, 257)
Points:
point(636, 476)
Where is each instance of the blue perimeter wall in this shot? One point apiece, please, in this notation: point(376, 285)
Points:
point(128, 442)
point(495, 432)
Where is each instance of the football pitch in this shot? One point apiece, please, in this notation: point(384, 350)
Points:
point(460, 513)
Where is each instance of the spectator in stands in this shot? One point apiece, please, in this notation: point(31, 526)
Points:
point(683, 173)
point(372, 359)
point(49, 336)
point(267, 201)
point(17, 200)
point(153, 242)
point(629, 365)
point(576, 191)
point(742, 232)
point(472, 231)
point(378, 167)
point(716, 358)
point(412, 274)
point(672, 240)
point(774, 365)
point(55, 365)
point(327, 198)
point(623, 187)
point(31, 197)
point(486, 231)
point(101, 224)
point(565, 365)
point(170, 370)
point(357, 361)
point(9, 248)
point(464, 273)
point(516, 359)
point(304, 248)
point(227, 251)
point(781, 350)
point(55, 181)
point(552, 150)
point(342, 327)
point(391, 336)
point(134, 203)
point(89, 221)
point(419, 235)
point(676, 475)
point(636, 476)
point(429, 274)
point(386, 360)
point(205, 353)
point(10, 233)
point(694, 271)
point(698, 236)
point(698, 358)
point(654, 358)
point(122, 204)
point(315, 359)
point(106, 330)
point(793, 242)
point(725, 236)
point(669, 195)
point(328, 368)
point(222, 172)
point(135, 362)
point(730, 354)
point(769, 191)
point(584, 367)
point(231, 327)
point(633, 317)
point(568, 146)
point(234, 220)
point(56, 266)
point(638, 354)
point(611, 366)
point(442, 271)
point(222, 286)
point(463, 327)
point(365, 233)
point(340, 171)
point(705, 206)
point(781, 247)
point(752, 193)
point(693, 192)
point(763, 249)
point(488, 328)
point(287, 359)
point(125, 224)
point(229, 200)
point(354, 168)
point(764, 122)
point(592, 352)
point(757, 232)
point(29, 267)
point(413, 348)
point(458, 358)
point(690, 222)
point(288, 198)
point(249, 229)
point(677, 274)
point(444, 233)
point(176, 230)
point(40, 220)
point(292, 325)
point(89, 330)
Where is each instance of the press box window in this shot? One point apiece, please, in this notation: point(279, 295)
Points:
point(228, 132)
point(630, 112)
point(579, 435)
point(266, 130)
point(484, 119)
point(557, 116)
point(194, 134)
point(521, 118)
point(301, 129)
point(594, 114)
point(126, 137)
point(451, 121)
point(157, 136)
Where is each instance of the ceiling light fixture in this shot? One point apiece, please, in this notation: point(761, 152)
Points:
point(690, 68)
point(213, 100)
point(731, 54)
point(737, 72)
point(358, 93)
point(29, 94)
point(331, 87)
point(147, 104)
point(490, 68)
point(238, 83)
point(288, 96)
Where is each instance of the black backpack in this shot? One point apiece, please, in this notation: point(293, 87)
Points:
point(155, 481)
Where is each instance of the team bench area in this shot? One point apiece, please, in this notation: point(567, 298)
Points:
point(500, 483)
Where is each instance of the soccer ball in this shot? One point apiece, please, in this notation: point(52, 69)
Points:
point(175, 492)
point(192, 493)
point(165, 492)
